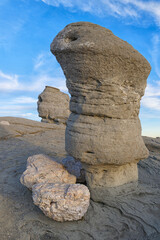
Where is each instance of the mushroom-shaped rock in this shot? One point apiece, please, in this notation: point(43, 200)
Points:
point(53, 105)
point(62, 202)
point(106, 78)
point(42, 169)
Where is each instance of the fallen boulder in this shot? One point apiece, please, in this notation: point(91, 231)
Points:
point(61, 202)
point(42, 169)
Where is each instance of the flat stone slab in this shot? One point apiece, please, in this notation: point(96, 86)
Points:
point(128, 212)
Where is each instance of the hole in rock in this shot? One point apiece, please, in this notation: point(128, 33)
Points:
point(40, 99)
point(71, 39)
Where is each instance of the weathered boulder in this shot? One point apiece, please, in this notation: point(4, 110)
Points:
point(53, 105)
point(42, 169)
point(62, 202)
point(106, 78)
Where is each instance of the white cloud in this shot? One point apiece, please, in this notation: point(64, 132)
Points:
point(24, 100)
point(39, 61)
point(121, 8)
point(8, 82)
point(152, 97)
point(156, 54)
point(36, 83)
point(18, 113)
point(66, 3)
point(46, 72)
point(153, 91)
point(16, 107)
point(151, 102)
point(151, 7)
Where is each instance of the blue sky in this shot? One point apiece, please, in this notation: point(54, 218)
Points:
point(27, 27)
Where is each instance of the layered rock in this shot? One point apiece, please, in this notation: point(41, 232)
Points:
point(53, 105)
point(62, 202)
point(106, 78)
point(42, 169)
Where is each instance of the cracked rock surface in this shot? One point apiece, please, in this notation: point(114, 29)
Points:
point(126, 212)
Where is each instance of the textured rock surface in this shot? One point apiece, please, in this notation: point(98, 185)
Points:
point(127, 212)
point(106, 78)
point(4, 123)
point(62, 202)
point(53, 105)
point(42, 169)
point(110, 175)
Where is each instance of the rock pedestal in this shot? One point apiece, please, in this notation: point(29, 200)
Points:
point(106, 78)
point(53, 106)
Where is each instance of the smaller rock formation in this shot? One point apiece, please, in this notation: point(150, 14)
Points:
point(74, 167)
point(42, 169)
point(53, 106)
point(62, 202)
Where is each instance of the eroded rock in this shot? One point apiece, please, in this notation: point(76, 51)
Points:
point(106, 78)
point(125, 212)
point(62, 202)
point(42, 169)
point(53, 106)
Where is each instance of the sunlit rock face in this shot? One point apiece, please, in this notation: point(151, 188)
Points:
point(106, 78)
point(42, 169)
point(62, 202)
point(53, 106)
point(54, 189)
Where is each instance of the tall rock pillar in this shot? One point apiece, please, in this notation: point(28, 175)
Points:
point(106, 78)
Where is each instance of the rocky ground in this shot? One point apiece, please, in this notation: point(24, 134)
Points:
point(130, 212)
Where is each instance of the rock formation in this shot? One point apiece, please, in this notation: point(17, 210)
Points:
point(126, 212)
point(62, 202)
point(106, 78)
point(53, 105)
point(42, 169)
